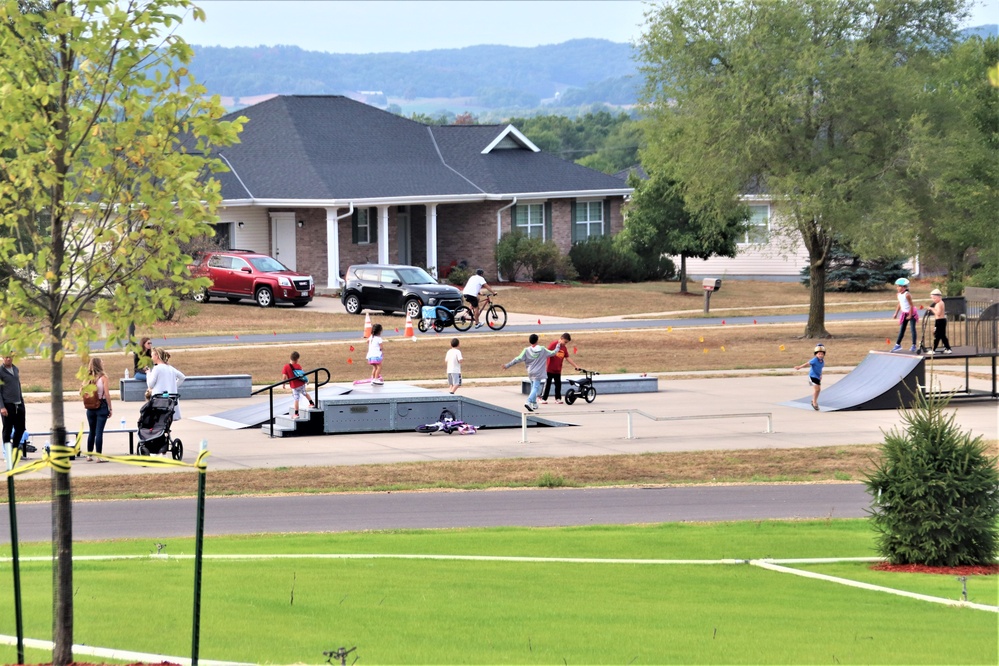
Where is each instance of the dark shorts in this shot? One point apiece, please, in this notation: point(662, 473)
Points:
point(472, 300)
point(814, 381)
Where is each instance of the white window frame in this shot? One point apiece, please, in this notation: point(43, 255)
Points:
point(584, 227)
point(364, 220)
point(527, 209)
point(758, 231)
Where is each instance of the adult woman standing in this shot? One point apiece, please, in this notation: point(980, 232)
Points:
point(143, 359)
point(98, 418)
point(164, 378)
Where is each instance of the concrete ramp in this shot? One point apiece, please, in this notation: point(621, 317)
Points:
point(882, 381)
point(252, 416)
point(346, 408)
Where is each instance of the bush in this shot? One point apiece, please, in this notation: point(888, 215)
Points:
point(847, 272)
point(459, 275)
point(601, 259)
point(542, 261)
point(935, 492)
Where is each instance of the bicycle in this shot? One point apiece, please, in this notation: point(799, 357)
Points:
point(495, 314)
point(582, 388)
point(440, 317)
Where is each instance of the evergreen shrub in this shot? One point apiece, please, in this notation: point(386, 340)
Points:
point(935, 499)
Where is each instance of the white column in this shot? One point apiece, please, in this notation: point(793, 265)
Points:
point(383, 235)
point(332, 250)
point(432, 238)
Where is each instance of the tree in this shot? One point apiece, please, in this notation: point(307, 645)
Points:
point(961, 133)
point(103, 171)
point(657, 223)
point(817, 100)
point(934, 492)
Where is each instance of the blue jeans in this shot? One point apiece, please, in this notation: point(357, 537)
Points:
point(911, 323)
point(535, 389)
point(97, 418)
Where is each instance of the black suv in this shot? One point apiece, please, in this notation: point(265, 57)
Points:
point(392, 288)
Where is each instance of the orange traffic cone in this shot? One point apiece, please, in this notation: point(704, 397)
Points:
point(367, 324)
point(410, 333)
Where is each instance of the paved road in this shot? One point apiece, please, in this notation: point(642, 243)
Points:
point(160, 519)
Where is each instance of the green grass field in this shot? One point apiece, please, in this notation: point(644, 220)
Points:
point(419, 611)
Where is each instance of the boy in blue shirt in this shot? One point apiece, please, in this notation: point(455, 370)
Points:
point(815, 373)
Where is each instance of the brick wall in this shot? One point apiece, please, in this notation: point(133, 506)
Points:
point(465, 232)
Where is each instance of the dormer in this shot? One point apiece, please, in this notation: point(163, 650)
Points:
point(511, 139)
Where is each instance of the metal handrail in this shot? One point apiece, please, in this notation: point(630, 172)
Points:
point(631, 433)
point(314, 373)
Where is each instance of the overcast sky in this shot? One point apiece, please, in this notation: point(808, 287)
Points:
point(342, 26)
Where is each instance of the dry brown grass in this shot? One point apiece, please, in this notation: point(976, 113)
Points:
point(713, 348)
point(735, 297)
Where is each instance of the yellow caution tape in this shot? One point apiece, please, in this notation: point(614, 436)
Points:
point(60, 458)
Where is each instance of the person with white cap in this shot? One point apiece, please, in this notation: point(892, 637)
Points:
point(815, 367)
point(906, 313)
point(939, 323)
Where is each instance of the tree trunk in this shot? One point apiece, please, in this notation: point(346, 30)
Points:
point(683, 274)
point(62, 523)
point(818, 243)
point(62, 527)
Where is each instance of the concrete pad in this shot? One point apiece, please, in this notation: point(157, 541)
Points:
point(598, 433)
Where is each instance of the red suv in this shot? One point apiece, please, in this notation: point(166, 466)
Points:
point(238, 274)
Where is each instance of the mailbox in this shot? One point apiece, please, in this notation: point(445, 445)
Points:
point(711, 284)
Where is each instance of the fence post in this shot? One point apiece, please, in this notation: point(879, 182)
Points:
point(523, 428)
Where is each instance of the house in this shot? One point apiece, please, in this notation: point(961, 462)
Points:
point(762, 253)
point(323, 182)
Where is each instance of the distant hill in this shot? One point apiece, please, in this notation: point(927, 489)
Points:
point(485, 76)
point(481, 79)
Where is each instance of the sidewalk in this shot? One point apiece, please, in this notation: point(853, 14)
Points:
point(594, 433)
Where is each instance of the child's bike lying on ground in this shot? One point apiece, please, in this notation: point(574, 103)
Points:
point(447, 423)
point(582, 388)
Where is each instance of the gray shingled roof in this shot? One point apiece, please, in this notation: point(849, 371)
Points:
point(334, 148)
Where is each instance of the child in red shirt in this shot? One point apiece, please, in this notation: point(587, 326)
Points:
point(555, 368)
point(293, 371)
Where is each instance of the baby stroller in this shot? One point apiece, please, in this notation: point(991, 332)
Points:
point(155, 419)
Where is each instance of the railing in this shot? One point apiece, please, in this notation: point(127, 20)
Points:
point(314, 382)
point(631, 432)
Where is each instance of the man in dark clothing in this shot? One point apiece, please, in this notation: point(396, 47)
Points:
point(11, 402)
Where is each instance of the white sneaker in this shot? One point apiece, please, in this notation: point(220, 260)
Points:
point(478, 325)
point(379, 382)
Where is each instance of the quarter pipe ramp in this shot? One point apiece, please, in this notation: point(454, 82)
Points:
point(882, 381)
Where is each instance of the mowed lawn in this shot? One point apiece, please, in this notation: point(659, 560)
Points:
point(601, 601)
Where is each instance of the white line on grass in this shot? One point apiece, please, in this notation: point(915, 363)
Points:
point(110, 653)
point(773, 566)
point(770, 564)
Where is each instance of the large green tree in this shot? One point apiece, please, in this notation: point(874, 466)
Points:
point(657, 223)
point(814, 99)
point(103, 171)
point(961, 163)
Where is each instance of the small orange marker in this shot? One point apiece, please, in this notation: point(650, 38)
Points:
point(350, 361)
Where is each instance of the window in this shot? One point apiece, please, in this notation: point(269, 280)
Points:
point(219, 261)
point(238, 264)
point(530, 220)
point(758, 226)
point(589, 219)
point(365, 221)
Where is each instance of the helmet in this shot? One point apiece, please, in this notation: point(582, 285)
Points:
point(902, 282)
point(819, 348)
point(480, 272)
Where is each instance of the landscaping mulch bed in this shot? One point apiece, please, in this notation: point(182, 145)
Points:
point(982, 570)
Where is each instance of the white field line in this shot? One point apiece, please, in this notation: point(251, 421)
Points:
point(772, 566)
point(110, 653)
